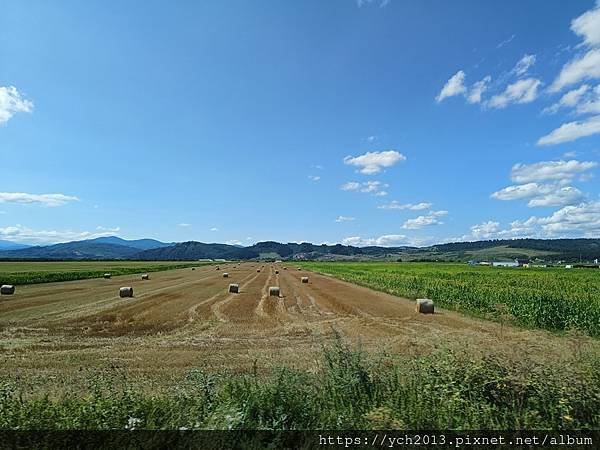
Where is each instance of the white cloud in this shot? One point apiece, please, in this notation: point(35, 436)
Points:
point(571, 131)
point(20, 233)
point(583, 218)
point(214, 229)
point(183, 224)
point(563, 171)
point(587, 26)
point(484, 230)
point(345, 219)
point(566, 195)
point(570, 221)
point(367, 187)
point(584, 66)
point(394, 204)
point(580, 68)
point(523, 65)
point(521, 91)
point(11, 102)
point(477, 90)
point(522, 191)
point(382, 3)
point(350, 186)
point(371, 139)
point(454, 86)
point(373, 162)
point(42, 199)
point(432, 218)
point(506, 41)
point(314, 177)
point(569, 100)
point(590, 104)
point(388, 240)
point(233, 242)
point(540, 194)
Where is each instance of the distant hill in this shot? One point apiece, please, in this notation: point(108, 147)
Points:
point(8, 245)
point(73, 250)
point(552, 249)
point(197, 250)
point(267, 249)
point(546, 250)
point(141, 244)
point(110, 247)
point(568, 250)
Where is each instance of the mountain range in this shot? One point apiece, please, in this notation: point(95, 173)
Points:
point(115, 248)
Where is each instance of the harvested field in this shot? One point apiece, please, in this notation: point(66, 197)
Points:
point(182, 319)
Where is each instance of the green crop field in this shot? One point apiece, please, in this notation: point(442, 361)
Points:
point(30, 272)
point(548, 298)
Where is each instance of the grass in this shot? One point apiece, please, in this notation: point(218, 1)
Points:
point(349, 390)
point(46, 272)
point(550, 298)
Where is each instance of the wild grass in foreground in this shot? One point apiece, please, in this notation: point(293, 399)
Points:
point(351, 390)
point(49, 276)
point(547, 298)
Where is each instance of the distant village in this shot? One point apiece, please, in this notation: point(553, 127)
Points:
point(526, 263)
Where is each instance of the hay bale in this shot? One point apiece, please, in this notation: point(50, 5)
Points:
point(126, 292)
point(274, 291)
point(218, 268)
point(145, 277)
point(285, 268)
point(304, 279)
point(257, 270)
point(225, 275)
point(193, 268)
point(107, 275)
point(277, 272)
point(425, 306)
point(7, 289)
point(299, 268)
point(234, 288)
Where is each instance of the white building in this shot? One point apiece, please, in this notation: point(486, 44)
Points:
point(505, 264)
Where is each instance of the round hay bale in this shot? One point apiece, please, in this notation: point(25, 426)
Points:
point(425, 306)
point(107, 275)
point(7, 289)
point(274, 291)
point(285, 268)
point(218, 268)
point(145, 277)
point(277, 272)
point(234, 288)
point(304, 279)
point(299, 268)
point(225, 275)
point(257, 270)
point(126, 292)
point(193, 268)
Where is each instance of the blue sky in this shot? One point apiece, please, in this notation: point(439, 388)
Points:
point(370, 122)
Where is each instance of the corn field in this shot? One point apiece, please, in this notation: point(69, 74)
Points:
point(548, 298)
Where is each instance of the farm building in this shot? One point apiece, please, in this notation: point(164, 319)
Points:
point(514, 263)
point(505, 264)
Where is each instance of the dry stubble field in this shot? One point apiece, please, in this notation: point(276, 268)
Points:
point(54, 335)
